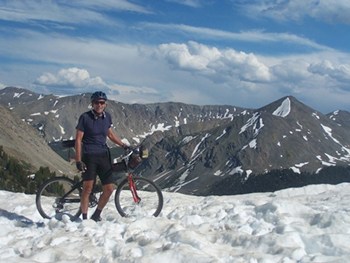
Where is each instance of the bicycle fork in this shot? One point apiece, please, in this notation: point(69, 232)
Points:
point(133, 190)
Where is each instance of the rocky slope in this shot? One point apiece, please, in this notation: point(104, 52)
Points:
point(21, 141)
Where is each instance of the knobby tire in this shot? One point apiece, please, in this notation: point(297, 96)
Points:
point(53, 200)
point(151, 196)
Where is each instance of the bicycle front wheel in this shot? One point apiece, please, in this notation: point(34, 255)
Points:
point(150, 203)
point(57, 197)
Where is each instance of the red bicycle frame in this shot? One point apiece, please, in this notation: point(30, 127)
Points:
point(132, 186)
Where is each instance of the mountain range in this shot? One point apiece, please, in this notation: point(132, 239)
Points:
point(193, 148)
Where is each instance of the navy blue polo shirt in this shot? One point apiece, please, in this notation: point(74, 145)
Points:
point(95, 131)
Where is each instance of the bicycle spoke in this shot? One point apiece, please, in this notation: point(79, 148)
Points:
point(58, 197)
point(150, 203)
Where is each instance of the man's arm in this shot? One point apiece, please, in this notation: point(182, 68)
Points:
point(115, 138)
point(78, 139)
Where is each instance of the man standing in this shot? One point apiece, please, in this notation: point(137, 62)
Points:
point(92, 154)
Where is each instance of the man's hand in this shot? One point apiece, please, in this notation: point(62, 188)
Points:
point(81, 166)
point(125, 146)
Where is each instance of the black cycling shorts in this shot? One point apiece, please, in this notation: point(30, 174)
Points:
point(98, 164)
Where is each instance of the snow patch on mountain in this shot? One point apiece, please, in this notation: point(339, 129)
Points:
point(236, 170)
point(182, 182)
point(283, 110)
point(252, 144)
point(62, 130)
point(227, 115)
point(315, 115)
point(296, 167)
point(324, 162)
point(160, 127)
point(177, 122)
point(218, 173)
point(187, 139)
point(17, 95)
point(328, 130)
point(197, 146)
point(254, 121)
point(223, 133)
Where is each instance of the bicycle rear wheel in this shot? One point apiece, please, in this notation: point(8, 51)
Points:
point(151, 202)
point(57, 197)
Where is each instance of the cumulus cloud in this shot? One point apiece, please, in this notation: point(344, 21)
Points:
point(339, 72)
point(77, 78)
point(74, 80)
point(213, 63)
point(325, 10)
point(292, 70)
point(191, 56)
point(235, 72)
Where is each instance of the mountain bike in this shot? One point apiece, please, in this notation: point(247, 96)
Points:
point(134, 196)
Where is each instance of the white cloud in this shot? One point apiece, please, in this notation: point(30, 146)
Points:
point(47, 11)
point(325, 10)
point(340, 72)
point(253, 36)
point(192, 3)
point(214, 63)
point(191, 56)
point(210, 74)
point(116, 5)
point(67, 12)
point(290, 70)
point(133, 94)
point(75, 78)
point(248, 66)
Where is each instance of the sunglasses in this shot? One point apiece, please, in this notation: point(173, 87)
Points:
point(101, 102)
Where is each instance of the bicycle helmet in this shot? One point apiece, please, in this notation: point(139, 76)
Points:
point(98, 95)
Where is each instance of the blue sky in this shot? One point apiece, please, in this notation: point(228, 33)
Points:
point(236, 52)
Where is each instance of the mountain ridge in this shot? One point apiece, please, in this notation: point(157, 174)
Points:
point(194, 147)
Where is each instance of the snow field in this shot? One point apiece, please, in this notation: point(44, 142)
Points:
point(309, 224)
